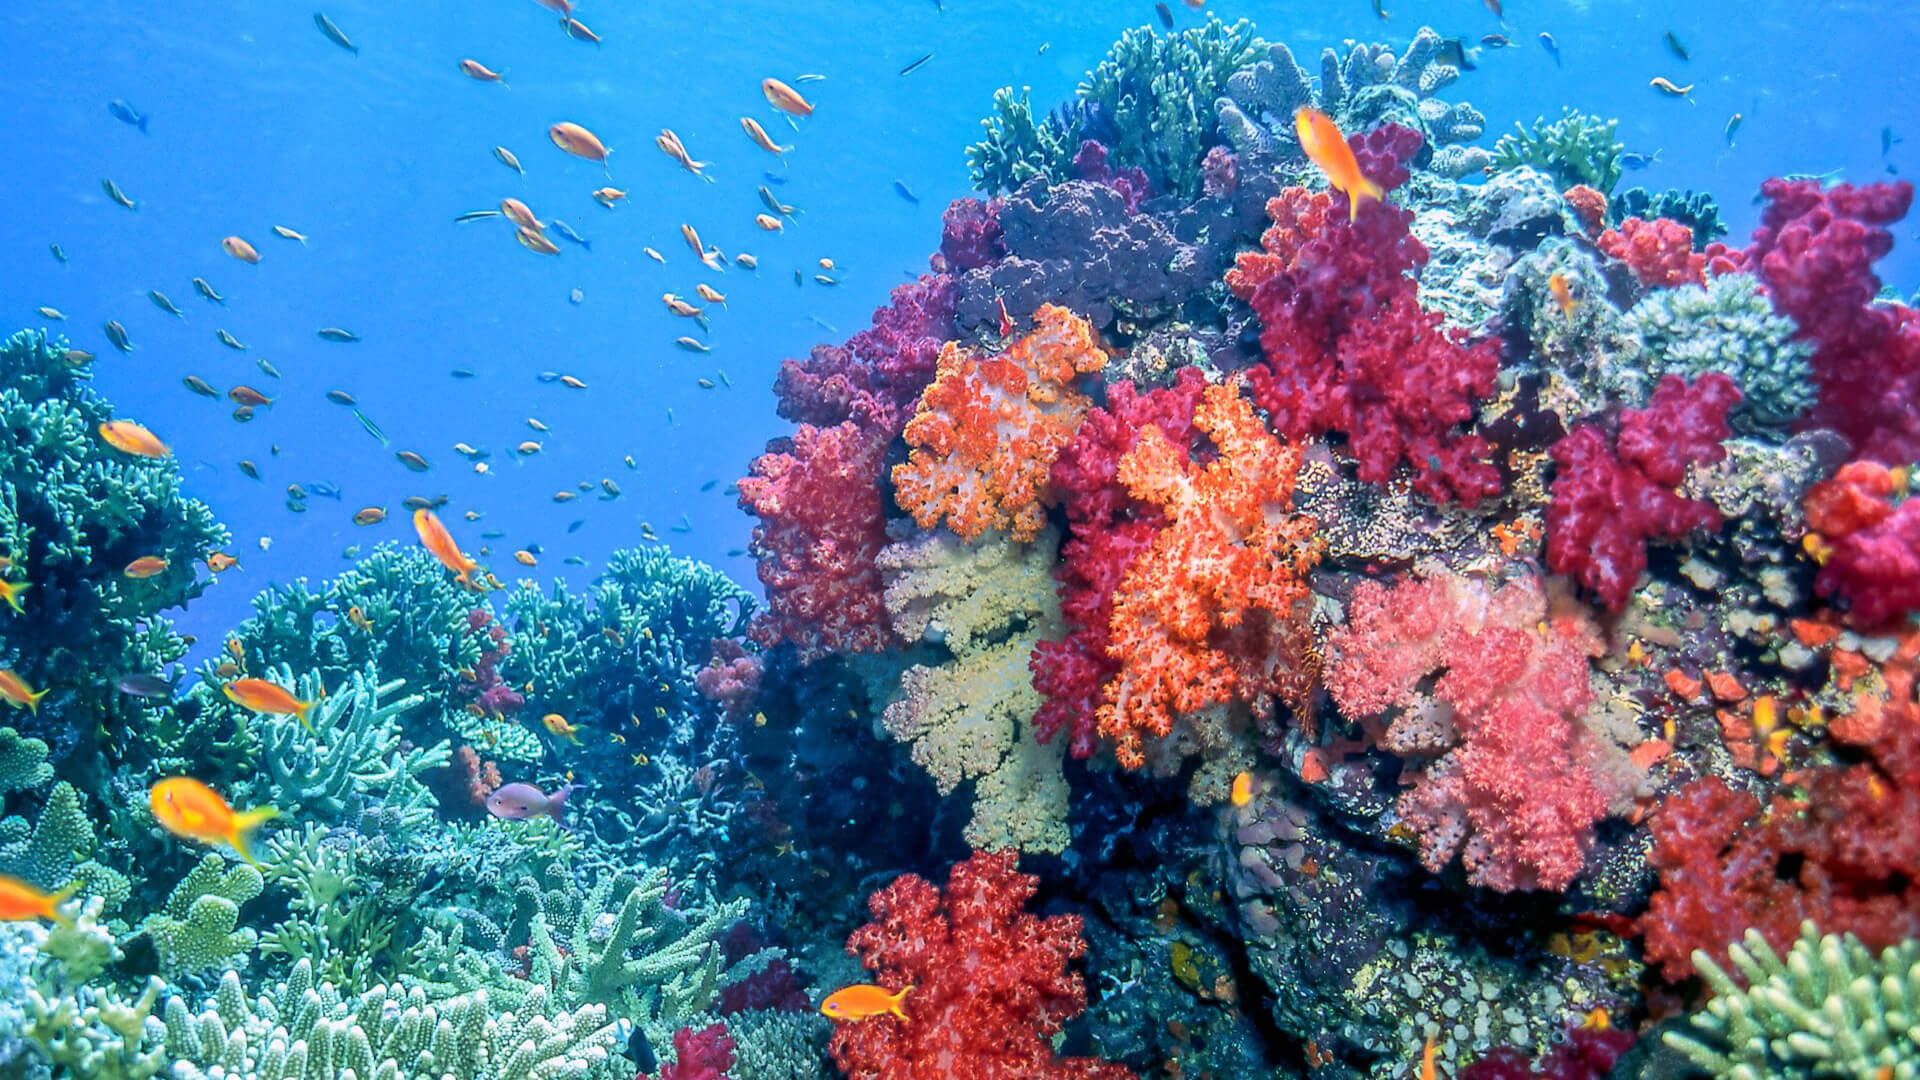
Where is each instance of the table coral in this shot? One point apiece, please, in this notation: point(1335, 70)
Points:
point(989, 428)
point(1348, 347)
point(1609, 502)
point(1213, 612)
point(991, 983)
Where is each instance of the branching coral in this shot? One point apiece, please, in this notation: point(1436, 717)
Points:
point(1019, 146)
point(1575, 149)
point(992, 984)
point(199, 928)
point(1729, 327)
point(970, 718)
point(58, 849)
point(989, 429)
point(1697, 212)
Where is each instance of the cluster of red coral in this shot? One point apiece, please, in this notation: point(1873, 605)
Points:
point(991, 983)
point(705, 1054)
point(1659, 252)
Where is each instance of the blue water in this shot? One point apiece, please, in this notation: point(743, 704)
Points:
point(258, 120)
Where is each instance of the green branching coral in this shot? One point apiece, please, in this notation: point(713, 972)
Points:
point(58, 848)
point(73, 513)
point(1729, 327)
point(770, 1044)
point(968, 718)
point(1018, 146)
point(23, 762)
point(1698, 212)
point(1154, 97)
point(307, 1029)
point(1829, 1008)
point(199, 928)
point(1575, 149)
point(96, 1033)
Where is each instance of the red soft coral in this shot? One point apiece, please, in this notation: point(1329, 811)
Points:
point(1659, 252)
point(991, 983)
point(1589, 205)
point(1107, 529)
point(1214, 611)
point(1609, 502)
point(1348, 346)
point(705, 1054)
point(1871, 556)
point(1517, 791)
point(876, 376)
point(822, 523)
point(970, 234)
point(731, 678)
point(990, 427)
point(1815, 249)
point(1848, 857)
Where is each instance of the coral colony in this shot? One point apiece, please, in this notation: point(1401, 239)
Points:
point(1462, 634)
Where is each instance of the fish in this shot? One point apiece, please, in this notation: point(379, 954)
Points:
point(520, 214)
point(412, 460)
point(130, 438)
point(285, 233)
point(1552, 47)
point(1733, 125)
point(373, 429)
point(1242, 791)
point(863, 1001)
point(557, 724)
point(505, 157)
point(335, 334)
point(117, 335)
point(113, 192)
point(823, 279)
point(579, 142)
point(1498, 11)
point(518, 802)
point(1888, 140)
point(1455, 52)
point(144, 685)
point(229, 341)
point(608, 490)
point(479, 72)
point(191, 810)
point(670, 145)
point(578, 31)
point(221, 561)
point(710, 294)
point(1632, 160)
point(1326, 147)
point(562, 8)
point(760, 137)
point(475, 215)
point(768, 200)
point(334, 33)
point(240, 249)
point(563, 496)
point(1562, 294)
point(1165, 13)
point(654, 255)
point(439, 542)
point(59, 253)
point(575, 560)
point(1666, 86)
point(679, 307)
point(200, 286)
point(266, 367)
point(200, 386)
point(525, 558)
point(10, 592)
point(1380, 12)
point(247, 395)
point(251, 470)
point(146, 566)
point(573, 382)
point(1496, 41)
point(607, 196)
point(127, 114)
point(369, 515)
point(15, 691)
point(901, 189)
point(1677, 47)
point(323, 489)
point(78, 357)
point(566, 233)
point(535, 241)
point(1426, 1060)
point(768, 222)
point(577, 296)
point(22, 901)
point(915, 65)
point(535, 423)
point(747, 261)
point(243, 414)
point(785, 98)
point(268, 698)
point(527, 448)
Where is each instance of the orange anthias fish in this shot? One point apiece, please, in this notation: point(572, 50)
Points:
point(579, 142)
point(670, 145)
point(1426, 1060)
point(863, 1001)
point(1242, 792)
point(130, 438)
point(760, 137)
point(188, 808)
point(785, 98)
point(261, 696)
point(146, 566)
point(10, 592)
point(240, 249)
point(479, 72)
point(439, 541)
point(558, 725)
point(21, 901)
point(1563, 294)
point(14, 689)
point(1320, 138)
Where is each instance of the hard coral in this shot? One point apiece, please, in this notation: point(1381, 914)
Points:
point(991, 983)
point(1348, 346)
point(1214, 611)
point(1609, 502)
point(1659, 252)
point(1815, 251)
point(989, 428)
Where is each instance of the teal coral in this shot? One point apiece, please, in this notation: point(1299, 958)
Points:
point(199, 928)
point(1019, 146)
point(770, 1044)
point(1829, 1008)
point(1730, 327)
point(354, 753)
point(58, 848)
point(23, 762)
point(95, 1033)
point(1575, 149)
point(1697, 211)
point(1155, 95)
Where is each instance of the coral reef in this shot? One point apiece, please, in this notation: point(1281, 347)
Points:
point(1576, 149)
point(1730, 328)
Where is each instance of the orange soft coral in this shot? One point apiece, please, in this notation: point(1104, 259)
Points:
point(989, 429)
point(1298, 215)
point(1214, 611)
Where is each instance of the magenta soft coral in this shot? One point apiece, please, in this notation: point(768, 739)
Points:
point(1608, 502)
point(1349, 348)
point(879, 373)
point(1587, 1053)
point(705, 1054)
point(1815, 249)
point(485, 690)
point(991, 983)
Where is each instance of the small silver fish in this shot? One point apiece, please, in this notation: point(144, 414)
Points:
point(334, 333)
point(334, 33)
point(161, 301)
point(229, 340)
point(200, 286)
point(566, 233)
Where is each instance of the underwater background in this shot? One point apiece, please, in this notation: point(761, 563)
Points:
point(1212, 619)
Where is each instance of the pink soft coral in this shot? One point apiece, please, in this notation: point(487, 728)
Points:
point(1659, 252)
point(705, 1054)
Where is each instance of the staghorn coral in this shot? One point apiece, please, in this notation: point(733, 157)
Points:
point(1575, 149)
point(96, 1033)
point(1829, 1007)
point(971, 717)
point(989, 428)
point(770, 1044)
point(1729, 327)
